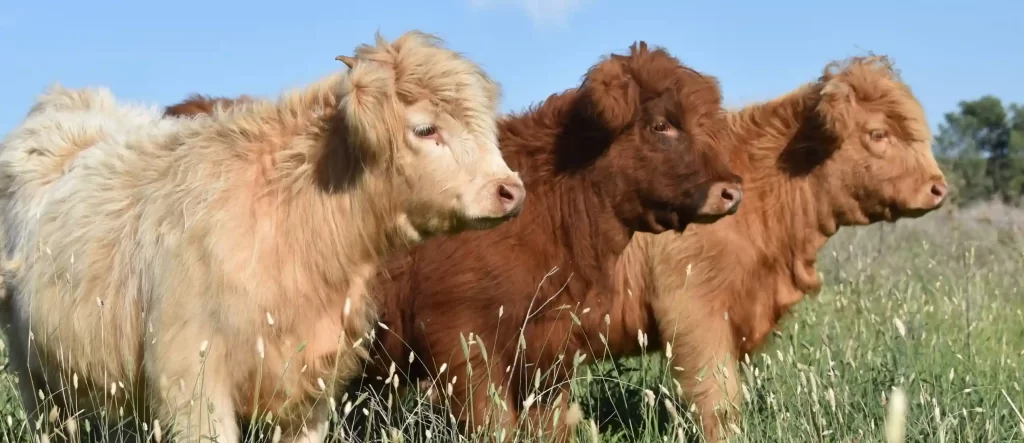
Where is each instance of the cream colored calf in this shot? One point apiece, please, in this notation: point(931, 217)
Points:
point(203, 269)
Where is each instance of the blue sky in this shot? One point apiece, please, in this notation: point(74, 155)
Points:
point(159, 52)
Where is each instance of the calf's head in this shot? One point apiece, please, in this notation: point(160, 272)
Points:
point(667, 156)
point(436, 112)
point(880, 158)
point(429, 115)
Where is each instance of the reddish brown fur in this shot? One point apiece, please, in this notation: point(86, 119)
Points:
point(809, 166)
point(593, 182)
point(197, 104)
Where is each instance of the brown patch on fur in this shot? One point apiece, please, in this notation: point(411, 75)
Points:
point(597, 171)
point(197, 104)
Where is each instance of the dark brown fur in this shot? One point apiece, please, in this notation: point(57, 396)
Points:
point(596, 174)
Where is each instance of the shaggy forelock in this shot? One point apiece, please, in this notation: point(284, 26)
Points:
point(879, 64)
point(875, 80)
point(657, 71)
point(384, 76)
point(424, 69)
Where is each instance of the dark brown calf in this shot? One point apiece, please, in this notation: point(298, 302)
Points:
point(636, 148)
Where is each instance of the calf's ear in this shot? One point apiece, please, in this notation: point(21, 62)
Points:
point(837, 105)
point(613, 93)
point(369, 109)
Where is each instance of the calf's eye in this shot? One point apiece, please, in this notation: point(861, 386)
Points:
point(878, 135)
point(660, 127)
point(425, 131)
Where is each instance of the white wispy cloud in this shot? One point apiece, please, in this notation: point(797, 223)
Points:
point(542, 12)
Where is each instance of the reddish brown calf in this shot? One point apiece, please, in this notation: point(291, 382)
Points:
point(636, 148)
point(851, 148)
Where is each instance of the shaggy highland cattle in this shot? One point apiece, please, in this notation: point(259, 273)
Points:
point(852, 148)
point(202, 269)
point(849, 149)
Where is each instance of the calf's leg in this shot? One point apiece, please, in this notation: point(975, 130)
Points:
point(24, 363)
point(197, 396)
point(18, 351)
point(715, 393)
point(704, 361)
point(472, 404)
point(29, 381)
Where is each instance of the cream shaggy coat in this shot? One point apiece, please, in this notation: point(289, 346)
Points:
point(199, 267)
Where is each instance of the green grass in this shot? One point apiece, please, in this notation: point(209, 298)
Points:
point(931, 306)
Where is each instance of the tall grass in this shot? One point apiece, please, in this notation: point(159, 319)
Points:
point(923, 314)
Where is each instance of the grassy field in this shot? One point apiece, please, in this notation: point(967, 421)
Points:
point(930, 306)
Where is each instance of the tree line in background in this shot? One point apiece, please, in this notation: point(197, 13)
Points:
point(981, 149)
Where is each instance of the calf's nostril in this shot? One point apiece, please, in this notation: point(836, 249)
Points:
point(939, 191)
point(732, 196)
point(505, 194)
point(728, 194)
